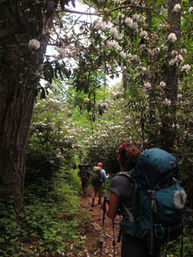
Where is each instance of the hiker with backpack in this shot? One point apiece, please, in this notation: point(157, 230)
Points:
point(147, 195)
point(97, 180)
point(102, 170)
point(84, 175)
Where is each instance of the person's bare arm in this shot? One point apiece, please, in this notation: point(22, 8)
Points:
point(113, 205)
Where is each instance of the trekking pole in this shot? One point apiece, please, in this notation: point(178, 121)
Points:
point(113, 238)
point(103, 222)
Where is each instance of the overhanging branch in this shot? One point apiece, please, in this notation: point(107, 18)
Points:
point(104, 12)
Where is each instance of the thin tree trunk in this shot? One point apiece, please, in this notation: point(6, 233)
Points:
point(168, 133)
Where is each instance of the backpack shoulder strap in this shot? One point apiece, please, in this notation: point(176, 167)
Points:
point(134, 187)
point(126, 174)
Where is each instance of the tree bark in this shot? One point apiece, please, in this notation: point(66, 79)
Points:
point(168, 133)
point(18, 89)
point(15, 115)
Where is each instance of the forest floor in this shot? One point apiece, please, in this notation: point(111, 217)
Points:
point(93, 232)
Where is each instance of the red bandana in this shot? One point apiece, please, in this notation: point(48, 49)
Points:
point(123, 145)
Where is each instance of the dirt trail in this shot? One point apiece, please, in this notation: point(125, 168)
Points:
point(93, 233)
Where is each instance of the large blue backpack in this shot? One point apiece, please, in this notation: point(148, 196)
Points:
point(160, 199)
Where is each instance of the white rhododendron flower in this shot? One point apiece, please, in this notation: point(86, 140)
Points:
point(143, 46)
point(162, 84)
point(129, 21)
point(172, 37)
point(179, 58)
point(143, 69)
point(86, 100)
point(123, 54)
point(183, 51)
point(114, 32)
point(62, 52)
point(144, 34)
point(172, 62)
point(112, 43)
point(100, 25)
point(134, 25)
point(151, 52)
point(177, 8)
point(105, 106)
point(121, 15)
point(179, 96)
point(34, 43)
point(175, 125)
point(174, 52)
point(136, 17)
point(185, 67)
point(191, 9)
point(118, 1)
point(147, 84)
point(167, 101)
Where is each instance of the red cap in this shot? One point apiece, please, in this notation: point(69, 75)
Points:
point(100, 164)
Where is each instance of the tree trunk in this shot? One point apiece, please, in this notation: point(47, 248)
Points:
point(19, 80)
point(15, 115)
point(168, 133)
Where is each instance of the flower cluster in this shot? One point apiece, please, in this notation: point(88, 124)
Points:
point(177, 60)
point(112, 43)
point(177, 8)
point(144, 34)
point(154, 51)
point(100, 25)
point(132, 24)
point(137, 17)
point(62, 52)
point(114, 32)
point(167, 101)
point(86, 100)
point(172, 37)
point(103, 106)
point(147, 85)
point(123, 54)
point(34, 43)
point(162, 84)
point(185, 67)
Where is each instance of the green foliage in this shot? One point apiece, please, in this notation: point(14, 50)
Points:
point(47, 222)
point(50, 147)
point(174, 248)
point(51, 218)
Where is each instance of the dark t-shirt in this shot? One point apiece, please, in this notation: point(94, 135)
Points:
point(122, 187)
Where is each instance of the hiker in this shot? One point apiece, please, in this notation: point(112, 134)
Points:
point(103, 171)
point(120, 202)
point(97, 180)
point(73, 165)
point(84, 175)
